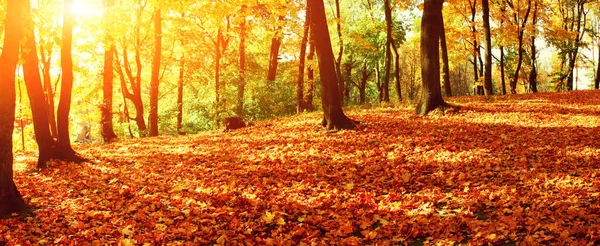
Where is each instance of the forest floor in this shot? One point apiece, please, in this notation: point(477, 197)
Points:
point(505, 170)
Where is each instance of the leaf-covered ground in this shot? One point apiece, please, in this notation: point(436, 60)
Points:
point(507, 170)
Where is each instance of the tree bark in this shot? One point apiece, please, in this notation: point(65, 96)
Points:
point(533, 72)
point(47, 83)
point(35, 92)
point(10, 198)
point(388, 50)
point(66, 86)
point(431, 96)
point(338, 64)
point(300, 106)
point(597, 79)
point(515, 79)
point(108, 133)
point(577, 43)
point(242, 66)
point(154, 80)
point(274, 55)
point(446, 66)
point(180, 96)
point(487, 75)
point(334, 118)
point(502, 76)
point(473, 7)
point(310, 74)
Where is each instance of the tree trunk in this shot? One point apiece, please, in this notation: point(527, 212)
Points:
point(431, 96)
point(310, 74)
point(47, 83)
point(446, 67)
point(533, 72)
point(108, 133)
point(363, 83)
point(37, 101)
point(180, 96)
point(388, 50)
point(577, 43)
point(218, 76)
point(334, 117)
point(487, 76)
point(473, 7)
point(300, 106)
point(154, 80)
point(597, 79)
point(274, 54)
point(338, 64)
point(502, 76)
point(10, 198)
point(242, 68)
point(66, 86)
point(515, 79)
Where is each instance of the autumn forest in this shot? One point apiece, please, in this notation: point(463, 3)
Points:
point(313, 122)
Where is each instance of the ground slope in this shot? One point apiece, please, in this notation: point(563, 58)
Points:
point(518, 169)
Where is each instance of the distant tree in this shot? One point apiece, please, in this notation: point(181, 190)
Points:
point(334, 117)
point(431, 22)
point(108, 133)
point(533, 72)
point(521, 24)
point(242, 66)
point(300, 105)
point(10, 198)
point(274, 54)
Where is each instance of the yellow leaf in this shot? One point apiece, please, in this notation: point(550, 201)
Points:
point(268, 217)
point(160, 227)
point(280, 221)
point(491, 236)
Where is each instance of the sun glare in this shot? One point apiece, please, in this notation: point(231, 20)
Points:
point(84, 8)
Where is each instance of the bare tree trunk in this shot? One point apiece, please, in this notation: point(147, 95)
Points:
point(66, 86)
point(333, 115)
point(502, 76)
point(11, 200)
point(242, 66)
point(431, 97)
point(154, 81)
point(310, 75)
point(180, 96)
point(533, 72)
point(218, 76)
point(487, 76)
point(338, 64)
point(47, 83)
point(108, 133)
point(300, 106)
point(274, 55)
point(388, 50)
point(446, 67)
point(35, 91)
point(515, 79)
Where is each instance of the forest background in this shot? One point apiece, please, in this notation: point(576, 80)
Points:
point(224, 58)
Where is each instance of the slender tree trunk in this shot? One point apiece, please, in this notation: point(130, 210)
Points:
point(10, 198)
point(597, 79)
point(338, 64)
point(180, 96)
point(35, 91)
point(431, 96)
point(66, 86)
point(577, 43)
point(388, 50)
point(310, 74)
point(108, 133)
point(218, 76)
point(487, 76)
point(502, 76)
point(47, 83)
point(300, 107)
point(515, 79)
point(446, 67)
point(362, 90)
point(242, 68)
point(533, 72)
point(154, 81)
point(333, 115)
point(473, 7)
point(274, 55)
